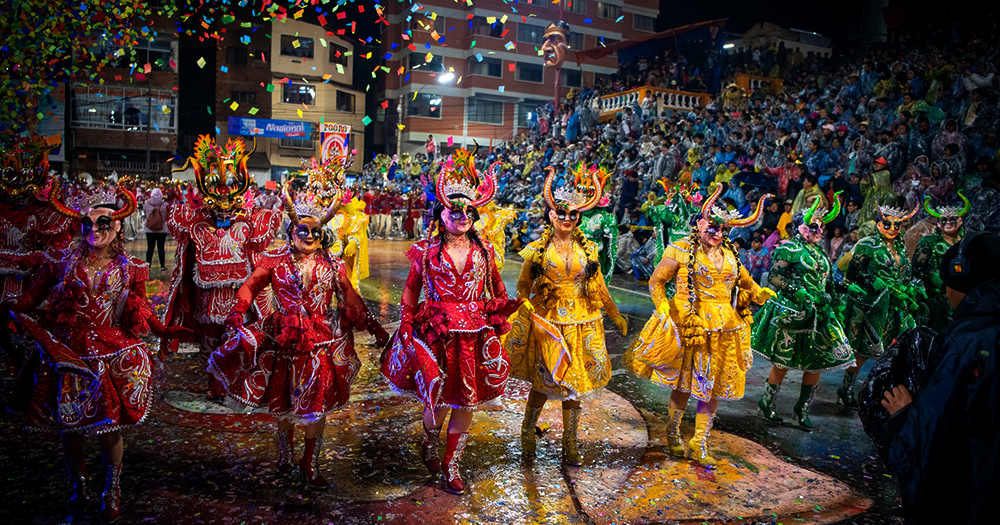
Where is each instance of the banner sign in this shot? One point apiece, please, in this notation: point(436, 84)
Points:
point(336, 140)
point(278, 129)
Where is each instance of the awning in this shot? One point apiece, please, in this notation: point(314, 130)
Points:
point(601, 52)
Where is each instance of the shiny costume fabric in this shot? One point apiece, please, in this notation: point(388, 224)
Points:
point(935, 311)
point(91, 374)
point(350, 227)
point(559, 348)
point(875, 317)
point(795, 333)
point(456, 358)
point(718, 369)
point(300, 359)
point(29, 237)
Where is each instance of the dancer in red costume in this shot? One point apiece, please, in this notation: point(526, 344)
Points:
point(92, 373)
point(219, 239)
point(31, 231)
point(447, 351)
point(300, 359)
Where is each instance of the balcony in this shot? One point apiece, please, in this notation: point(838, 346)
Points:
point(124, 109)
point(753, 83)
point(669, 99)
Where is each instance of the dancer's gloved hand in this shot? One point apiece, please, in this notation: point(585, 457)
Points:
point(855, 289)
point(381, 336)
point(621, 323)
point(664, 309)
point(350, 250)
point(764, 295)
point(802, 296)
point(878, 284)
point(527, 307)
point(936, 279)
point(234, 322)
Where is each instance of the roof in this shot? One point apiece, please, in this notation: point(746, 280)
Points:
point(603, 51)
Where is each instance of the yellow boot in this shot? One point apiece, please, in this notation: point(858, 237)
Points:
point(699, 442)
point(676, 445)
point(570, 445)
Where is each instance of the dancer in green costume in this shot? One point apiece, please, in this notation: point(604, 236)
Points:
point(935, 311)
point(801, 328)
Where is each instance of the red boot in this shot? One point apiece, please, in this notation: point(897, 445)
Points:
point(111, 498)
point(78, 480)
point(429, 449)
point(310, 464)
point(286, 448)
point(216, 390)
point(452, 455)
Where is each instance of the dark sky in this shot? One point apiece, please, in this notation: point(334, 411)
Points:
point(825, 17)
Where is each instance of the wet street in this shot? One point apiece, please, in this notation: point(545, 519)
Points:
point(196, 462)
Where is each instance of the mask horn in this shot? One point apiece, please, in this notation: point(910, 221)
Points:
point(289, 205)
point(965, 205)
point(930, 210)
point(829, 217)
point(130, 203)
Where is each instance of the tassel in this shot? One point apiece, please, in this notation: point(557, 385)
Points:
point(743, 299)
point(693, 330)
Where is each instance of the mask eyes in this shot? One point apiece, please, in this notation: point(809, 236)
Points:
point(717, 229)
point(892, 225)
point(949, 220)
point(457, 215)
point(303, 232)
point(570, 216)
point(103, 224)
point(815, 228)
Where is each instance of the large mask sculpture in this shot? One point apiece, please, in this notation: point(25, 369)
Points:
point(555, 42)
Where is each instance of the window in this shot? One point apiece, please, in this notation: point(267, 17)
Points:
point(243, 97)
point(541, 4)
point(605, 10)
point(425, 105)
point(155, 52)
point(236, 55)
point(425, 24)
point(260, 56)
point(603, 77)
point(338, 54)
point(295, 143)
point(575, 41)
point(108, 107)
point(481, 27)
point(530, 34)
point(572, 78)
point(529, 72)
point(298, 94)
point(296, 46)
point(528, 108)
point(489, 67)
point(345, 101)
point(575, 6)
point(485, 111)
point(605, 42)
point(418, 63)
point(643, 23)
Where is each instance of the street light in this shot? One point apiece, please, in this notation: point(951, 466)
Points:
point(446, 78)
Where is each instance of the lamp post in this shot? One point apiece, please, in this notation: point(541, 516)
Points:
point(444, 78)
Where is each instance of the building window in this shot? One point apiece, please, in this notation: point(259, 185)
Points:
point(603, 77)
point(605, 10)
point(418, 62)
point(643, 23)
point(155, 52)
point(541, 4)
point(298, 94)
point(575, 6)
point(338, 54)
point(108, 107)
point(243, 97)
point(295, 143)
point(296, 46)
point(489, 67)
point(424, 105)
point(527, 109)
point(481, 27)
point(236, 55)
point(427, 25)
point(572, 78)
point(260, 56)
point(345, 101)
point(575, 41)
point(529, 72)
point(485, 111)
point(530, 34)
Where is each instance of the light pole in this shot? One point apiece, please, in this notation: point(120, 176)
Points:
point(444, 78)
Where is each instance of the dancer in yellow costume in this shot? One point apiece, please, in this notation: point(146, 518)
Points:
point(492, 225)
point(698, 342)
point(557, 339)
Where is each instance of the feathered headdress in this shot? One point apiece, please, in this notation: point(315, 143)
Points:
point(459, 185)
point(79, 207)
point(25, 166)
point(898, 213)
point(732, 219)
point(220, 173)
point(327, 182)
point(827, 217)
point(947, 211)
point(582, 190)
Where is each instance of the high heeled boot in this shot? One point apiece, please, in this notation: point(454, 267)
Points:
point(215, 390)
point(429, 448)
point(452, 478)
point(309, 465)
point(699, 442)
point(78, 480)
point(529, 440)
point(286, 449)
point(675, 443)
point(845, 394)
point(570, 445)
point(111, 497)
point(801, 408)
point(765, 407)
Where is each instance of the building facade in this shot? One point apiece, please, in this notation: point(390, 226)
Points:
point(473, 73)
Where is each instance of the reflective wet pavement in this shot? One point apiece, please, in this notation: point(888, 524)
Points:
point(197, 462)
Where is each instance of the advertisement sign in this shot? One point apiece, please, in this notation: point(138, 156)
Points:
point(277, 129)
point(336, 139)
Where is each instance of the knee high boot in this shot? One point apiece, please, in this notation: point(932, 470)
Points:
point(309, 465)
point(845, 394)
point(452, 478)
point(765, 407)
point(676, 445)
point(571, 448)
point(286, 449)
point(429, 448)
point(801, 408)
point(699, 442)
point(78, 480)
point(111, 497)
point(529, 443)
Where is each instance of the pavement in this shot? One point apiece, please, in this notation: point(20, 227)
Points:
point(196, 462)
